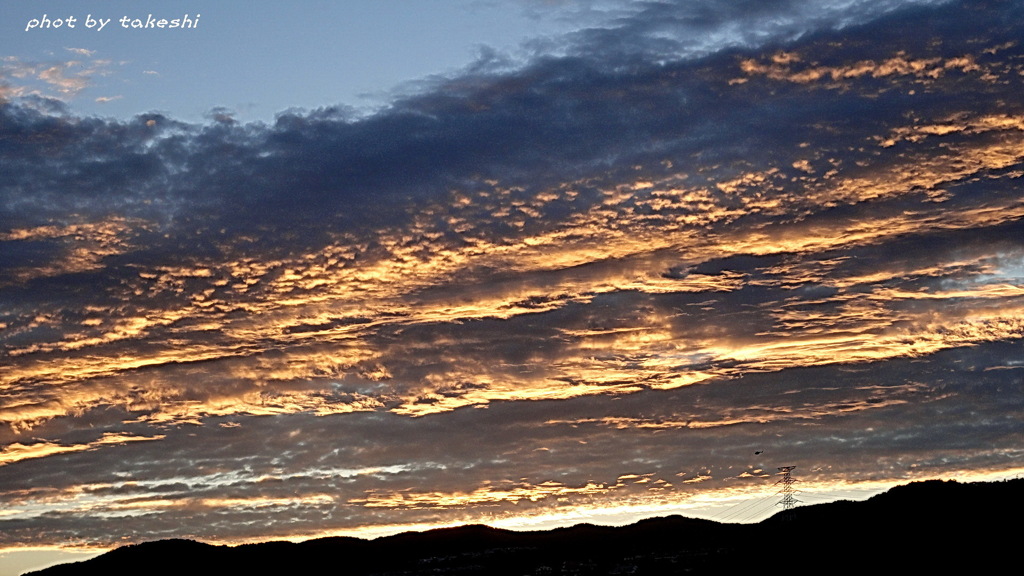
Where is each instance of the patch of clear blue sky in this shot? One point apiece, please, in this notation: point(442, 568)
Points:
point(257, 58)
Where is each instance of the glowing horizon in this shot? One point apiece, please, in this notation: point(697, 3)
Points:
point(591, 281)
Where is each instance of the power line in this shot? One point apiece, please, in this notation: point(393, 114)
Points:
point(750, 509)
point(745, 511)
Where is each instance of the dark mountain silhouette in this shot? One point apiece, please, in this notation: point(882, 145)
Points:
point(932, 526)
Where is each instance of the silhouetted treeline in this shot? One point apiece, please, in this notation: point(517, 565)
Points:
point(924, 526)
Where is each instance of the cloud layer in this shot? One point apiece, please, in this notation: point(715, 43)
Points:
point(604, 278)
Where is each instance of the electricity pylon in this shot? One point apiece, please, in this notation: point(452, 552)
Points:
point(788, 501)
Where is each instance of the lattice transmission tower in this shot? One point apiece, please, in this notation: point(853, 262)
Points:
point(788, 501)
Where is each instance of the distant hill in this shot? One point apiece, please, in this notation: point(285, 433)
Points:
point(932, 526)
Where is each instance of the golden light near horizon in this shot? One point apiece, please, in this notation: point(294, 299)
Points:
point(594, 284)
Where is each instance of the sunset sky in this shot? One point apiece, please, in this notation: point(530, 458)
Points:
point(367, 267)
